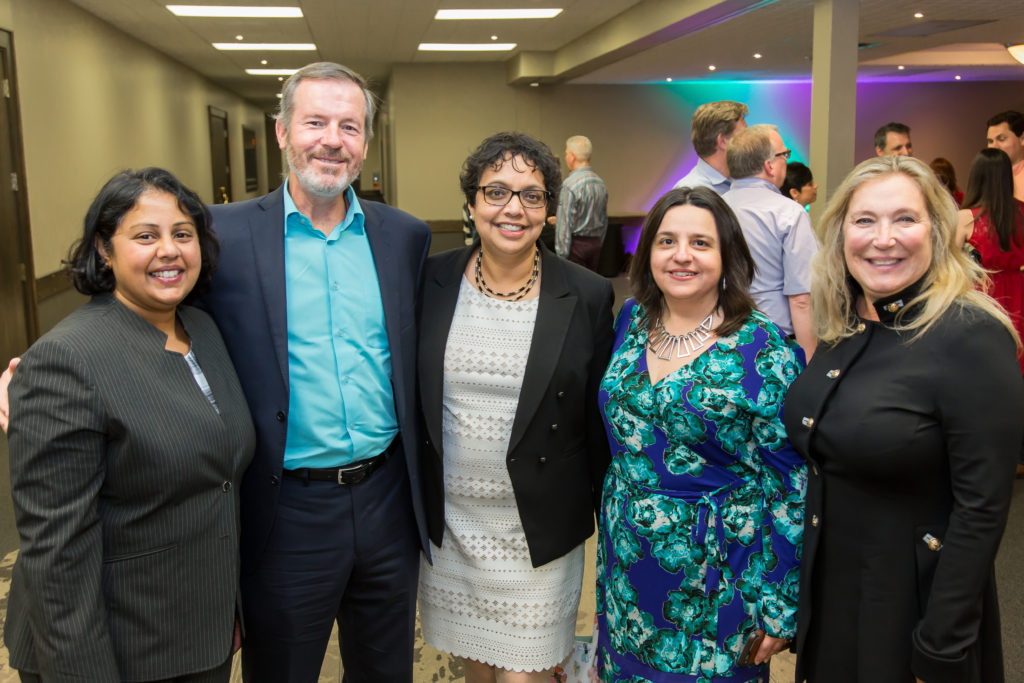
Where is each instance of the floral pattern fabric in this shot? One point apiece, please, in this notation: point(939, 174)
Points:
point(702, 508)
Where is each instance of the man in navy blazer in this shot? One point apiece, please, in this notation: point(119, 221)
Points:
point(315, 296)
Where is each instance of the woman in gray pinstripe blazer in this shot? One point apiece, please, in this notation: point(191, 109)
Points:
point(129, 433)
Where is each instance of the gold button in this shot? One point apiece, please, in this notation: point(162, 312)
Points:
point(894, 306)
point(832, 374)
point(861, 327)
point(814, 520)
point(807, 422)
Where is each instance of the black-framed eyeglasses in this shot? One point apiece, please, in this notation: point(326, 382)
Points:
point(785, 154)
point(496, 195)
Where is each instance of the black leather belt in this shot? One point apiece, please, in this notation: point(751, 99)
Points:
point(345, 476)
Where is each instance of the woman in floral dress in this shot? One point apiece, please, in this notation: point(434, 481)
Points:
point(702, 509)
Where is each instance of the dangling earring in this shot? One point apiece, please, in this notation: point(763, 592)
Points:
point(723, 283)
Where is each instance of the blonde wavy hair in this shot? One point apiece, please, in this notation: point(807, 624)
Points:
point(952, 277)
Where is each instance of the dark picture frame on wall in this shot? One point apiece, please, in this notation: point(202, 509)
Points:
point(252, 181)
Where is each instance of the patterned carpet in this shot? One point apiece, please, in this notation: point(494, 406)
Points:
point(430, 666)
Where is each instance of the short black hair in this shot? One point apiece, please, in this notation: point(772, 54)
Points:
point(117, 197)
point(1013, 119)
point(797, 175)
point(891, 127)
point(737, 264)
point(501, 147)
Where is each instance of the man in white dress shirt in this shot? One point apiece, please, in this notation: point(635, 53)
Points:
point(777, 230)
point(711, 128)
point(1006, 132)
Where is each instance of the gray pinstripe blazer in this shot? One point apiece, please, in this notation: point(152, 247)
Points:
point(125, 497)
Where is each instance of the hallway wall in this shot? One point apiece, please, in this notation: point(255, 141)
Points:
point(641, 133)
point(95, 101)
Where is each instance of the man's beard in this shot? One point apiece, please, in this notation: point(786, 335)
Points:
point(322, 184)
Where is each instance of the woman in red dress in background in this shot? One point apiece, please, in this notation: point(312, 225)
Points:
point(992, 221)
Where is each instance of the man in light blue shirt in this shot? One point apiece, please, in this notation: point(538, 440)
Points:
point(712, 126)
point(315, 296)
point(777, 230)
point(339, 367)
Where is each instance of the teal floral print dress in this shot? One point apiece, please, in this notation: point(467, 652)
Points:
point(702, 508)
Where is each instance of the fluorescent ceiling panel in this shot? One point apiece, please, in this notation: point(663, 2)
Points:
point(270, 72)
point(295, 47)
point(497, 13)
point(466, 47)
point(234, 11)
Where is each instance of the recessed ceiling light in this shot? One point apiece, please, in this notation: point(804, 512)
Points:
point(239, 37)
point(918, 15)
point(279, 95)
point(280, 78)
point(668, 79)
point(494, 37)
point(535, 84)
point(263, 62)
point(297, 47)
point(758, 55)
point(223, 11)
point(711, 67)
point(497, 13)
point(466, 47)
point(957, 78)
point(270, 72)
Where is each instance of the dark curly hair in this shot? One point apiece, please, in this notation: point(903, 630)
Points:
point(737, 264)
point(117, 197)
point(504, 147)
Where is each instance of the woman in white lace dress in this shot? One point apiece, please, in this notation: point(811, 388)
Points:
point(513, 344)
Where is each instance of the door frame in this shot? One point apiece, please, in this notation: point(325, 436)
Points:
point(22, 224)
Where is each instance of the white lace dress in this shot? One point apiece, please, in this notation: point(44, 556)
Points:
point(482, 599)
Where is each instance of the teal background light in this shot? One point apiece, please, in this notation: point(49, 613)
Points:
point(786, 104)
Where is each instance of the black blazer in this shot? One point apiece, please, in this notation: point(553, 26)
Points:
point(558, 451)
point(247, 300)
point(125, 486)
point(906, 439)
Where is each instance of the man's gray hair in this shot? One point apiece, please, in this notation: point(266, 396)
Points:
point(748, 150)
point(581, 147)
point(325, 71)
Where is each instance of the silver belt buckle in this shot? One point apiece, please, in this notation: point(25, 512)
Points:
point(342, 471)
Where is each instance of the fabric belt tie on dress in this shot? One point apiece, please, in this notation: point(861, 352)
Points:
point(710, 536)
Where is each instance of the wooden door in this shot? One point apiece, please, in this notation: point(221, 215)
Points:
point(18, 317)
point(220, 156)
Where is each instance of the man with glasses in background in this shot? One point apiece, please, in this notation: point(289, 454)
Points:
point(777, 229)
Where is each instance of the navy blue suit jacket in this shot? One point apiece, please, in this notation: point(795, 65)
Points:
point(247, 300)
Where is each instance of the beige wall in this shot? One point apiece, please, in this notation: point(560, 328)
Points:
point(641, 133)
point(945, 119)
point(440, 113)
point(95, 101)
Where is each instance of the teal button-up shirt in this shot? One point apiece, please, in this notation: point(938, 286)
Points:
point(341, 404)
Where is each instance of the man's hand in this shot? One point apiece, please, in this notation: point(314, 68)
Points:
point(5, 379)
